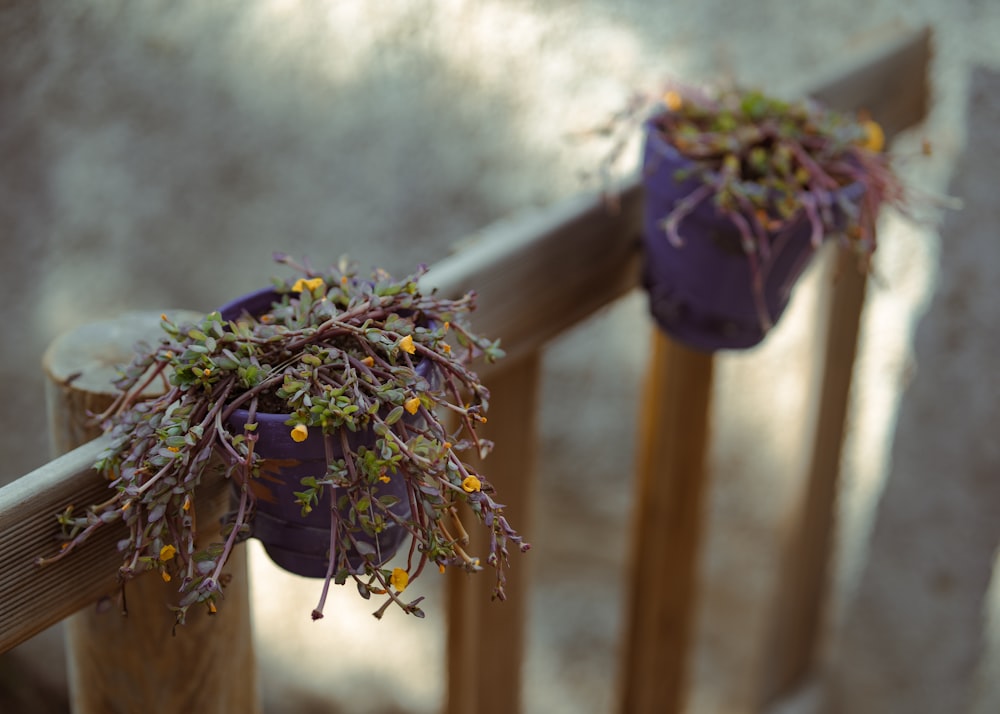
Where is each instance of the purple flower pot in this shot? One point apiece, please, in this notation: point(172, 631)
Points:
point(300, 544)
point(702, 292)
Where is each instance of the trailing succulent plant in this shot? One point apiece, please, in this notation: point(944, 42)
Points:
point(767, 165)
point(340, 355)
point(765, 161)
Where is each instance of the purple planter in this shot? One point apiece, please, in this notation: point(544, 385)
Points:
point(300, 544)
point(701, 292)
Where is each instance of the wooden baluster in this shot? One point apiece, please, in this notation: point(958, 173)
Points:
point(485, 648)
point(807, 546)
point(667, 529)
point(133, 663)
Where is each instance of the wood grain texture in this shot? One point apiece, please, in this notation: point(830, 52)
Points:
point(485, 644)
point(540, 273)
point(674, 424)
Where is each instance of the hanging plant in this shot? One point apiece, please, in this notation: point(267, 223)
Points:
point(363, 375)
point(741, 189)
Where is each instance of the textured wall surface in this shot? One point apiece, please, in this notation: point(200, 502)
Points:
point(153, 154)
point(917, 621)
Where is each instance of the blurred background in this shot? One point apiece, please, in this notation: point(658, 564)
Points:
point(154, 153)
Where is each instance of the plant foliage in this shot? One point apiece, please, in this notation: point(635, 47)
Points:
point(338, 353)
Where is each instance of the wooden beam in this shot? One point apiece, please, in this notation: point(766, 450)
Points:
point(540, 273)
point(32, 598)
point(674, 424)
point(485, 645)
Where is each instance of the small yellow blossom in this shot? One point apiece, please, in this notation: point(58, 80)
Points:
point(163, 316)
point(187, 503)
point(399, 579)
point(207, 372)
point(165, 575)
point(874, 136)
point(368, 361)
point(412, 405)
point(266, 319)
point(167, 552)
point(309, 284)
point(440, 567)
point(446, 445)
point(446, 348)
point(173, 449)
point(471, 484)
point(385, 478)
point(300, 433)
point(211, 607)
point(446, 326)
point(344, 280)
point(672, 99)
point(406, 344)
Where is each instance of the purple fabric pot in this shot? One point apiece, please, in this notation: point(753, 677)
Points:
point(300, 544)
point(701, 292)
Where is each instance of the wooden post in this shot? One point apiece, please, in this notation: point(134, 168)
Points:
point(133, 663)
point(801, 592)
point(667, 532)
point(485, 648)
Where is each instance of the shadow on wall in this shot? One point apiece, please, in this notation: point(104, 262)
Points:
point(936, 529)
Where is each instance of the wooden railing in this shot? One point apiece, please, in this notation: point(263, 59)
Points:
point(536, 276)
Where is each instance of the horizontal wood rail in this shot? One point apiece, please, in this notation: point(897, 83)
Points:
point(536, 275)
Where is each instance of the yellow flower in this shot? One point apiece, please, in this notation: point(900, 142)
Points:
point(187, 503)
point(385, 478)
point(166, 576)
point(399, 579)
point(309, 284)
point(167, 552)
point(874, 136)
point(446, 347)
point(406, 344)
point(368, 361)
point(211, 608)
point(440, 567)
point(300, 433)
point(672, 99)
point(471, 484)
point(412, 405)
